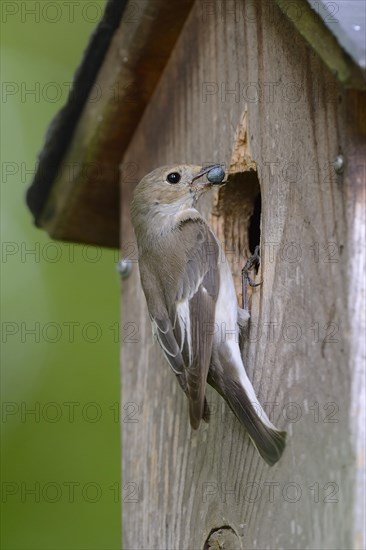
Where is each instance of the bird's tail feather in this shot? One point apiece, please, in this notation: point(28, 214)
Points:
point(269, 441)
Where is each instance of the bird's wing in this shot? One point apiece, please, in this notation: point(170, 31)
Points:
point(185, 326)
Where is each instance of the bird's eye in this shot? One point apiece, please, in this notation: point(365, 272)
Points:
point(173, 177)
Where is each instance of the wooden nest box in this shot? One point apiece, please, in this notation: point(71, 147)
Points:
point(276, 91)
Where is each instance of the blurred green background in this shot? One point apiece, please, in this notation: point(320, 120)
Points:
point(60, 442)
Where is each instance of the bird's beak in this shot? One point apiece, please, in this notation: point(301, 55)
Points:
point(204, 171)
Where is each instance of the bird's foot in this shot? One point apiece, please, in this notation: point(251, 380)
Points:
point(246, 279)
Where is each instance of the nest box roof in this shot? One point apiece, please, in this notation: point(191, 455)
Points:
point(75, 191)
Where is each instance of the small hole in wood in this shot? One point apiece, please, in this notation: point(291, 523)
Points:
point(222, 538)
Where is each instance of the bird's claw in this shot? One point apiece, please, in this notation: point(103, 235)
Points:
point(246, 279)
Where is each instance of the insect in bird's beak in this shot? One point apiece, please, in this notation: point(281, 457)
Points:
point(215, 174)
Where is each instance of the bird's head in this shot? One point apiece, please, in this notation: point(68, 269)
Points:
point(174, 188)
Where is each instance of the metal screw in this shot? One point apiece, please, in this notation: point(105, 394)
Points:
point(338, 164)
point(124, 267)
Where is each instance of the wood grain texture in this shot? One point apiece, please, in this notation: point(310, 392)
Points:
point(311, 26)
point(355, 180)
point(179, 486)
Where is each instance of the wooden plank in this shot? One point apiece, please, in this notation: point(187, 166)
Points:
point(190, 490)
point(312, 27)
point(355, 184)
point(83, 203)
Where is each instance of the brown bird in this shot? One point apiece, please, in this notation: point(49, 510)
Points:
point(191, 299)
